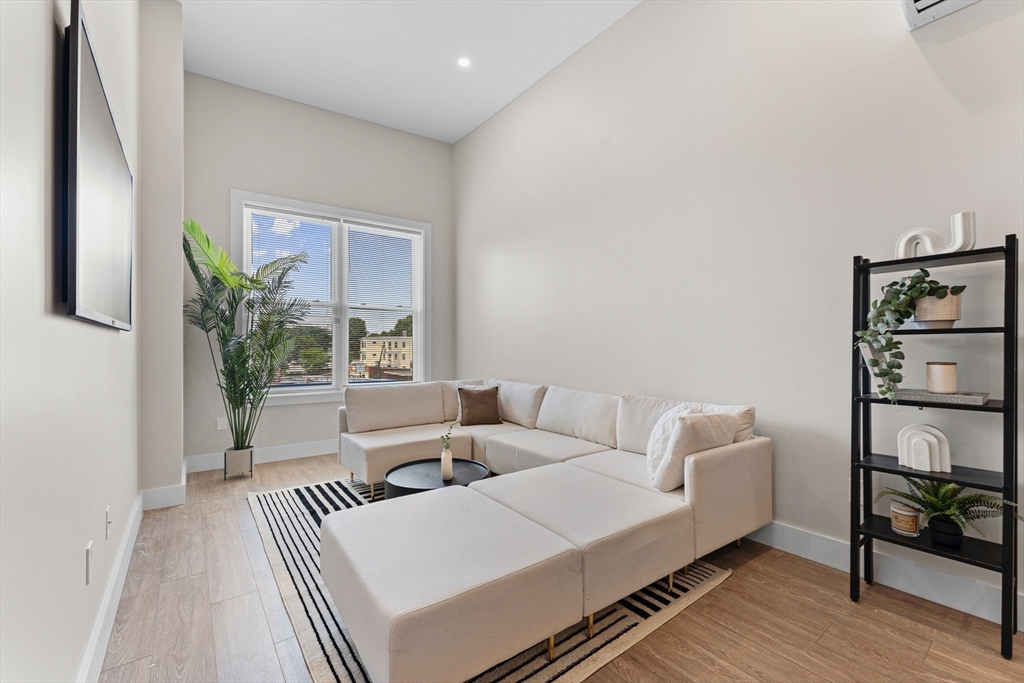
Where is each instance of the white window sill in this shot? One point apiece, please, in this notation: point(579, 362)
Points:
point(291, 398)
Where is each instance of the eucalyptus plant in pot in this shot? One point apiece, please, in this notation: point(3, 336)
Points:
point(911, 295)
point(250, 323)
point(947, 509)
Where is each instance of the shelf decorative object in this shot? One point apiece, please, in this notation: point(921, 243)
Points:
point(866, 528)
point(941, 377)
point(924, 447)
point(923, 241)
point(947, 509)
point(900, 300)
point(905, 522)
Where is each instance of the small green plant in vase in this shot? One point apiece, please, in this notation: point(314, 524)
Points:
point(446, 454)
point(899, 301)
point(947, 509)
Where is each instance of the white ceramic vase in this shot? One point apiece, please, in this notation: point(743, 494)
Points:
point(933, 313)
point(446, 464)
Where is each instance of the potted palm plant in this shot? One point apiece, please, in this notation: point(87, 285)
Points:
point(947, 509)
point(250, 323)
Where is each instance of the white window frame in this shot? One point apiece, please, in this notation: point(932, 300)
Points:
point(341, 220)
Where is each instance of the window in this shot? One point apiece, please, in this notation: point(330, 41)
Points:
point(365, 280)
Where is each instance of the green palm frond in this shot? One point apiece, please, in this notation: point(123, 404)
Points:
point(212, 257)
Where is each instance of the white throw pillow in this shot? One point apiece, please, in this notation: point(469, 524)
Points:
point(680, 433)
point(519, 402)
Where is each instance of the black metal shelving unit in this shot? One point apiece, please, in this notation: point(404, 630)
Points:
point(867, 528)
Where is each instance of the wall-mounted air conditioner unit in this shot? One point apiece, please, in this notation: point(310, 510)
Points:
point(917, 13)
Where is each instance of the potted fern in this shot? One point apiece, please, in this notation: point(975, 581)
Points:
point(914, 295)
point(947, 509)
point(250, 323)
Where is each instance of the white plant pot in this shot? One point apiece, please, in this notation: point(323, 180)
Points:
point(237, 462)
point(937, 314)
point(446, 465)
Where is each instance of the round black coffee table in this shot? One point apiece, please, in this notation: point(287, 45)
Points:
point(425, 475)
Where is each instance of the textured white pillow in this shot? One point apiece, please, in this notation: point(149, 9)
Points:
point(680, 433)
point(519, 402)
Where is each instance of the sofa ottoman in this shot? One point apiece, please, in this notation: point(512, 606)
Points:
point(628, 537)
point(445, 584)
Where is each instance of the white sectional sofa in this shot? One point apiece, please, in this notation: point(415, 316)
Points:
point(729, 488)
point(445, 584)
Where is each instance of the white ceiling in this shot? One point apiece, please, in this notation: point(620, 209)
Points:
point(393, 62)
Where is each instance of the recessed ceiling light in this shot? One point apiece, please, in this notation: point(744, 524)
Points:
point(463, 62)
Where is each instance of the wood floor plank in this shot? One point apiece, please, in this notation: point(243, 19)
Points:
point(245, 650)
point(277, 616)
point(131, 638)
point(227, 562)
point(184, 547)
point(183, 644)
point(132, 672)
point(293, 666)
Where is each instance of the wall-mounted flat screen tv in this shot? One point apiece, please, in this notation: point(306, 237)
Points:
point(98, 203)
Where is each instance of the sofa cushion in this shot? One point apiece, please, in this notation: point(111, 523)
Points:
point(625, 466)
point(583, 414)
point(371, 454)
point(636, 418)
point(390, 406)
point(678, 435)
point(744, 414)
point(519, 402)
point(478, 406)
point(450, 396)
point(516, 451)
point(508, 583)
point(628, 537)
point(480, 434)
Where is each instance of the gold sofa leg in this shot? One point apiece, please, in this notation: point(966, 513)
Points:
point(351, 476)
point(590, 626)
point(686, 569)
point(670, 583)
point(738, 542)
point(373, 491)
point(551, 648)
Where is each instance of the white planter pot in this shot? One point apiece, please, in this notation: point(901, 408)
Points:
point(937, 314)
point(446, 465)
point(237, 462)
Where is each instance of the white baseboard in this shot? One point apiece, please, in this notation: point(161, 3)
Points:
point(96, 648)
point(966, 595)
point(165, 497)
point(306, 449)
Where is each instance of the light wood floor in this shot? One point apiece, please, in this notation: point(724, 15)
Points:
point(200, 604)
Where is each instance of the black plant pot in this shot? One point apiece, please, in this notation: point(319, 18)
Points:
point(946, 532)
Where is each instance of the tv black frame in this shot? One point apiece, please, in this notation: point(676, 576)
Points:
point(73, 45)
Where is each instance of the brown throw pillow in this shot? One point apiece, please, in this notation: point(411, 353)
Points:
point(479, 406)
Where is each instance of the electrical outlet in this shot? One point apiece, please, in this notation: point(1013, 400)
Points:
point(222, 424)
point(88, 564)
point(106, 527)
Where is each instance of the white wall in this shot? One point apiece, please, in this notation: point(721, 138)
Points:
point(241, 139)
point(161, 188)
point(674, 211)
point(68, 393)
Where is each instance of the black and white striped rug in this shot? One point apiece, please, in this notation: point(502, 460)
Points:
point(289, 523)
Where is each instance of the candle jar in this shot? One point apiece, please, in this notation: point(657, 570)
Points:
point(941, 377)
point(905, 521)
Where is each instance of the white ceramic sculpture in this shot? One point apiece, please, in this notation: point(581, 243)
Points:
point(924, 241)
point(924, 447)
